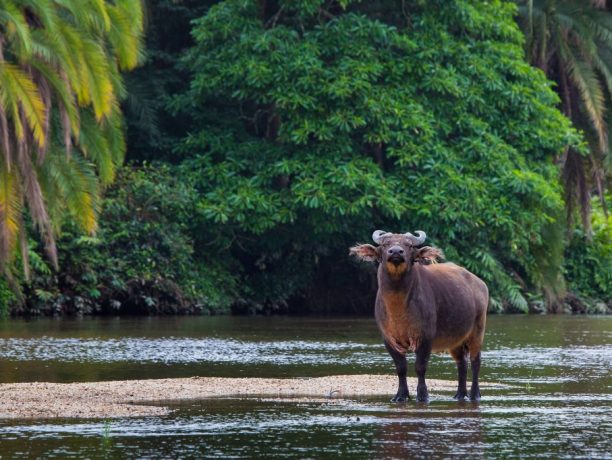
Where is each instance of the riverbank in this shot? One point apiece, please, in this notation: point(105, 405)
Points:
point(130, 398)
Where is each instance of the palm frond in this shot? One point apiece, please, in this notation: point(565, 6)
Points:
point(578, 35)
point(18, 93)
point(16, 29)
point(10, 214)
point(586, 81)
point(34, 198)
point(126, 30)
point(60, 86)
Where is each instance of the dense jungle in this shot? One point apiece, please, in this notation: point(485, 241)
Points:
point(214, 157)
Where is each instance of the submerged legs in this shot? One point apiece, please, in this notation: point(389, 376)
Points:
point(423, 352)
point(475, 390)
point(402, 369)
point(422, 359)
point(459, 354)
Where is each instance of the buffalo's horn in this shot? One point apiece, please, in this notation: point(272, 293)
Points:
point(377, 235)
point(416, 240)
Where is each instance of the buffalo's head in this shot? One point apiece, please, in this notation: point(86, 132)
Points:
point(397, 252)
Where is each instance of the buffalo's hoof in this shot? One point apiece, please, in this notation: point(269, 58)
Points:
point(422, 394)
point(475, 395)
point(461, 395)
point(400, 398)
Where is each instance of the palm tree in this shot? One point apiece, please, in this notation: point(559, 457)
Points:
point(571, 41)
point(61, 135)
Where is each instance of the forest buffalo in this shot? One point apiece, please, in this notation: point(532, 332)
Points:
point(424, 306)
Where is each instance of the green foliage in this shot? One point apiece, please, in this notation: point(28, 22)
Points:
point(7, 297)
point(571, 41)
point(61, 133)
point(588, 262)
point(151, 130)
point(311, 127)
point(294, 130)
point(141, 260)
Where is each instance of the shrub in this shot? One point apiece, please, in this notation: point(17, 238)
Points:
point(140, 261)
point(588, 263)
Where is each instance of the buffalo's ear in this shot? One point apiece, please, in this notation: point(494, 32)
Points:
point(428, 255)
point(365, 252)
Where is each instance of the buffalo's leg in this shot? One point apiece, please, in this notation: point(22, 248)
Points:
point(460, 357)
point(474, 346)
point(475, 390)
point(402, 369)
point(422, 358)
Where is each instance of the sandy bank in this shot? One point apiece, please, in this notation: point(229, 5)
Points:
point(117, 398)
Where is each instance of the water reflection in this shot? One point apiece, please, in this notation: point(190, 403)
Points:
point(442, 432)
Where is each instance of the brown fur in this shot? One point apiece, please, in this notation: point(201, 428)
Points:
point(420, 305)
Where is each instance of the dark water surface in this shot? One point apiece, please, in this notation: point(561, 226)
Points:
point(558, 403)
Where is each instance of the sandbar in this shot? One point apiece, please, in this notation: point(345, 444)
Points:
point(140, 398)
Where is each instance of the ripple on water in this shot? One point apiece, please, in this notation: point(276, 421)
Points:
point(173, 350)
point(570, 363)
point(569, 356)
point(188, 350)
point(527, 428)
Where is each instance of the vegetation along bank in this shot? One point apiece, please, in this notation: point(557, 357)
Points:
point(254, 142)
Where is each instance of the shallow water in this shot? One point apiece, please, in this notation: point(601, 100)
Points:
point(557, 404)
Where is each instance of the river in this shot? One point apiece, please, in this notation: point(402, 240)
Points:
point(556, 402)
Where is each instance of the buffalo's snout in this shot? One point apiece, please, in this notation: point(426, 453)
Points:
point(396, 254)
